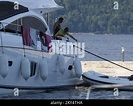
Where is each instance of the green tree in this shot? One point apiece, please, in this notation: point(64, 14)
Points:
point(95, 16)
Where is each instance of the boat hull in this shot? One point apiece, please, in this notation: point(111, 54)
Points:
point(28, 60)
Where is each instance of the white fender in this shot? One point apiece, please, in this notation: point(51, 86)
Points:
point(3, 65)
point(25, 68)
point(52, 64)
point(43, 67)
point(77, 67)
point(61, 63)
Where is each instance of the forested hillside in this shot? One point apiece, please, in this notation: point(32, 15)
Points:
point(96, 16)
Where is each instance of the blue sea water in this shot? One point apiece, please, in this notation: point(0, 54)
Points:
point(108, 46)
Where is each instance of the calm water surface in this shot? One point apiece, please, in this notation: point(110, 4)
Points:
point(107, 46)
point(76, 93)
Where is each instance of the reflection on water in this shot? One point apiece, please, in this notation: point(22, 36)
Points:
point(109, 95)
point(79, 93)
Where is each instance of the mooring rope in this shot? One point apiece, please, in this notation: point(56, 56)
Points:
point(103, 58)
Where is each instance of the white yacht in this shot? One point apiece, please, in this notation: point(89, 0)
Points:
point(25, 62)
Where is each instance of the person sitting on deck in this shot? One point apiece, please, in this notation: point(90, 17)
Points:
point(62, 32)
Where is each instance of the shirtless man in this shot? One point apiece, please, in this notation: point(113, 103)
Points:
point(57, 26)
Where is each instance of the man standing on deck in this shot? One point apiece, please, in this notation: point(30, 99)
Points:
point(57, 26)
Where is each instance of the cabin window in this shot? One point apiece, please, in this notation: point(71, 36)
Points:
point(70, 67)
point(10, 63)
point(33, 66)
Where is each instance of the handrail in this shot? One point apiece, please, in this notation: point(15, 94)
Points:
point(20, 33)
point(11, 24)
point(31, 50)
point(17, 25)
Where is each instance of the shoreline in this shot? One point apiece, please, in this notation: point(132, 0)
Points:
point(108, 68)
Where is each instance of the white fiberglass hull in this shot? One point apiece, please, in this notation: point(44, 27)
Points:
point(15, 78)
